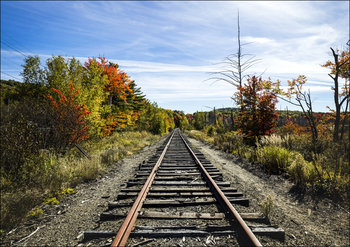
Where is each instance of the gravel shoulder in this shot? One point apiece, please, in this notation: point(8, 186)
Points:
point(306, 222)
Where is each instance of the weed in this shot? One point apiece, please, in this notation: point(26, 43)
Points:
point(52, 201)
point(35, 213)
point(70, 191)
point(272, 140)
point(266, 206)
point(200, 135)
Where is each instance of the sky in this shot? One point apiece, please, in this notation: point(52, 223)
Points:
point(170, 48)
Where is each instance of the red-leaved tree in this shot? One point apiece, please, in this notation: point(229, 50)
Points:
point(71, 118)
point(257, 108)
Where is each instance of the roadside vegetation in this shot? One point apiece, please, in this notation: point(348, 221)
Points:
point(57, 107)
point(312, 149)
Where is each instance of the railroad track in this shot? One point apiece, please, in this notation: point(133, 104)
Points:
point(178, 198)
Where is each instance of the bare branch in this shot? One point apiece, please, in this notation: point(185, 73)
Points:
point(343, 100)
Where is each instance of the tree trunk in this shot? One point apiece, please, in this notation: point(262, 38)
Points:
point(336, 97)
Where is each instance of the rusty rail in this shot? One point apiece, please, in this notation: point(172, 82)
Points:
point(128, 225)
point(245, 235)
point(242, 227)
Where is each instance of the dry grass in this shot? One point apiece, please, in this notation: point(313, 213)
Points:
point(54, 174)
point(197, 134)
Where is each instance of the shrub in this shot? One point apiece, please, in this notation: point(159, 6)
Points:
point(15, 206)
point(50, 176)
point(210, 130)
point(235, 143)
point(266, 206)
point(35, 213)
point(275, 159)
point(303, 172)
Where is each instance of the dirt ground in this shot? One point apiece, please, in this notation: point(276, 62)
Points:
point(306, 222)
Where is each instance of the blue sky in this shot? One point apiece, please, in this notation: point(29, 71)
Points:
point(169, 48)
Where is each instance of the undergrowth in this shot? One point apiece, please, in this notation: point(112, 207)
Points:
point(48, 177)
point(327, 172)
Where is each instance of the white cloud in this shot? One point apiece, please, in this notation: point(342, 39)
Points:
point(168, 47)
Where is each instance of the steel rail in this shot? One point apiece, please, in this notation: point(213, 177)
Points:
point(242, 227)
point(128, 224)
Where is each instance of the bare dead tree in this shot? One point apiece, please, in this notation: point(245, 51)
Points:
point(234, 65)
point(305, 103)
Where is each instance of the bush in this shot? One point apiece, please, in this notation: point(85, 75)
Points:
point(210, 131)
point(303, 172)
point(276, 159)
point(49, 175)
point(266, 206)
point(15, 206)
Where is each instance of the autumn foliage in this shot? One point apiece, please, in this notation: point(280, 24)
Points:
point(71, 117)
point(344, 69)
point(118, 81)
point(122, 103)
point(257, 115)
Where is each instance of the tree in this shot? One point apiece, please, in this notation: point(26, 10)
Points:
point(75, 72)
point(122, 109)
point(92, 94)
point(180, 120)
point(32, 73)
point(33, 78)
point(57, 73)
point(257, 108)
point(119, 82)
point(71, 119)
point(295, 88)
point(235, 65)
point(199, 120)
point(339, 68)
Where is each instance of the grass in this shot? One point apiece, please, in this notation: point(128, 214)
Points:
point(274, 158)
point(326, 173)
point(197, 134)
point(51, 176)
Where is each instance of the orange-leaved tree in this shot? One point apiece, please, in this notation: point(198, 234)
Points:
point(120, 90)
point(257, 113)
point(71, 121)
point(118, 81)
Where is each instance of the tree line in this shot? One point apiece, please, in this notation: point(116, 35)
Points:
point(65, 102)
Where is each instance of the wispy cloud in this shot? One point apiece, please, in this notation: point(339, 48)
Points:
point(169, 47)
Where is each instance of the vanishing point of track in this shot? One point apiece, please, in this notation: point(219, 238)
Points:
point(184, 187)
